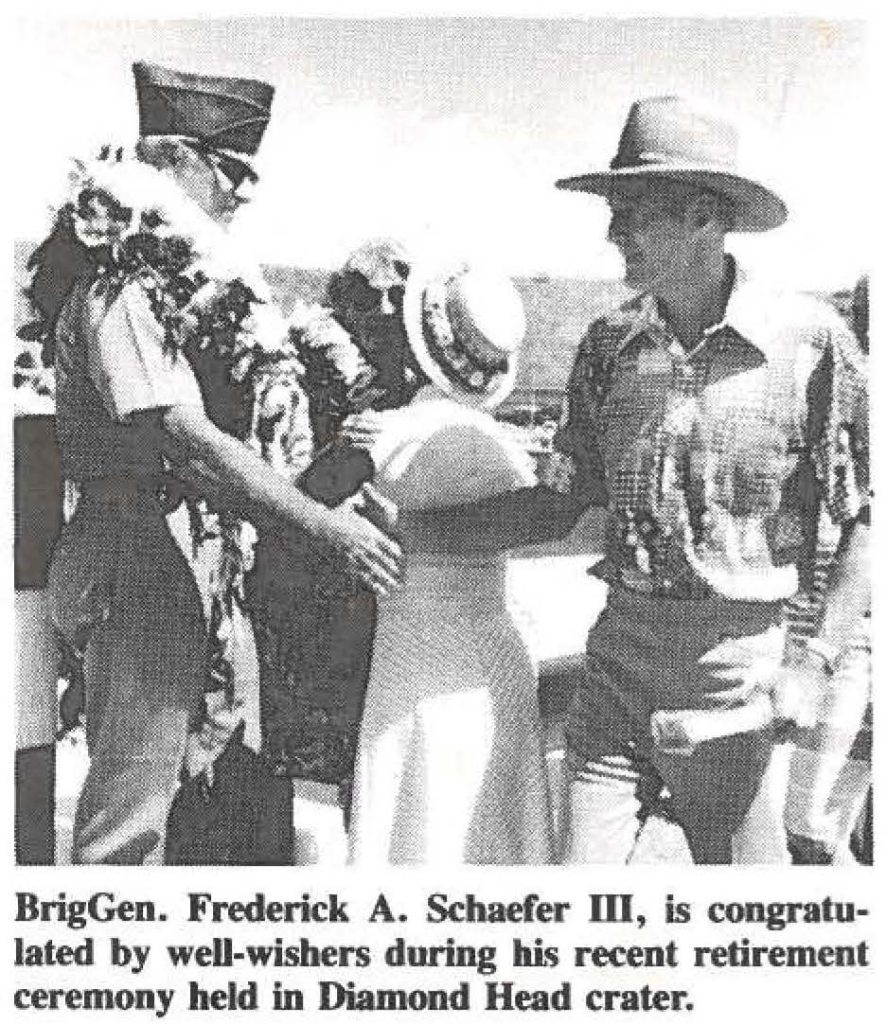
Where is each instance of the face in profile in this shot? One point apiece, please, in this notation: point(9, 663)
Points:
point(218, 182)
point(648, 226)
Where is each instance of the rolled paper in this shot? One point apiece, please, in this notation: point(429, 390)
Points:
point(680, 732)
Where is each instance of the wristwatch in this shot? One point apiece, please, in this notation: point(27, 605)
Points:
point(827, 653)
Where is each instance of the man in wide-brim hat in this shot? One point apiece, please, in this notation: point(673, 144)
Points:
point(712, 417)
point(109, 284)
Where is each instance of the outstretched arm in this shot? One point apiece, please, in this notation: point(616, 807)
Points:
point(245, 483)
point(531, 515)
point(137, 377)
point(574, 481)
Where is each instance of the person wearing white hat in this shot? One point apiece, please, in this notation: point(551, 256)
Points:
point(711, 415)
point(449, 766)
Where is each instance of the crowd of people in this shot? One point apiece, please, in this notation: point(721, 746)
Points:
point(346, 488)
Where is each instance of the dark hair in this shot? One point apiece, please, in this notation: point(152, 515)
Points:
point(344, 292)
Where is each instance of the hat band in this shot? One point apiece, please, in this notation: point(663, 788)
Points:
point(464, 357)
point(658, 158)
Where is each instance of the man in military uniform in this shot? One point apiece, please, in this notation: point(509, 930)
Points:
point(122, 592)
point(711, 416)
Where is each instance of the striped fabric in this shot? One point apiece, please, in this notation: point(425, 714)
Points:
point(803, 610)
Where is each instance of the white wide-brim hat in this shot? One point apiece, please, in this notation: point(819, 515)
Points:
point(474, 317)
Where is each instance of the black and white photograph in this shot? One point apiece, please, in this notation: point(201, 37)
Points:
point(442, 441)
point(440, 534)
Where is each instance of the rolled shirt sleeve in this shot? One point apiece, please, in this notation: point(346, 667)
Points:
point(130, 364)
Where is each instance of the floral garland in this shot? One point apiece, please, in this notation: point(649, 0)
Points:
point(127, 222)
point(474, 363)
point(337, 377)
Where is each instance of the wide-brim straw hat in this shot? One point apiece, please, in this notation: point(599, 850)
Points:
point(464, 324)
point(668, 138)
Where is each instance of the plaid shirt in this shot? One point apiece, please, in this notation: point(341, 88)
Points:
point(716, 459)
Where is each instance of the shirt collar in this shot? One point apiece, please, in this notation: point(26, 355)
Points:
point(748, 310)
point(745, 315)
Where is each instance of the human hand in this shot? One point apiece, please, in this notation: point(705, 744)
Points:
point(369, 555)
point(680, 732)
point(362, 428)
point(379, 510)
point(797, 691)
point(222, 717)
point(206, 743)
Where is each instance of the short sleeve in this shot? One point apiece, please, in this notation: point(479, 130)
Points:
point(128, 362)
point(575, 462)
point(839, 426)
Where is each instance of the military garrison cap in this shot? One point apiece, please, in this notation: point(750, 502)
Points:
point(222, 113)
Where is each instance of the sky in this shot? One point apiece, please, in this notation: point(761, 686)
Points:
point(449, 133)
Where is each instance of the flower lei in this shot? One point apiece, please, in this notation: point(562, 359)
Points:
point(126, 222)
point(337, 377)
point(474, 365)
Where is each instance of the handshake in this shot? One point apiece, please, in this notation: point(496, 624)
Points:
point(364, 521)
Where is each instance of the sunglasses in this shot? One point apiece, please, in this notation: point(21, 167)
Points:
point(235, 171)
